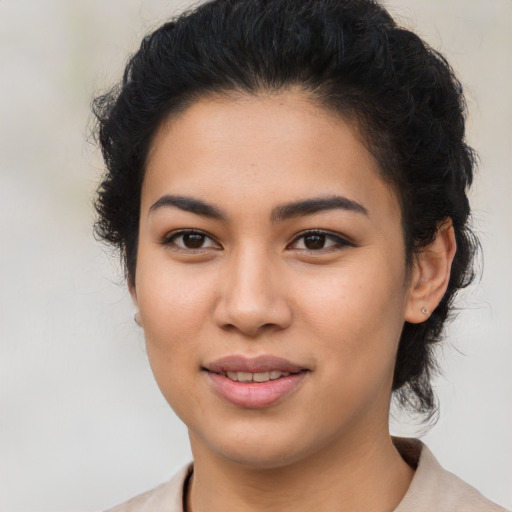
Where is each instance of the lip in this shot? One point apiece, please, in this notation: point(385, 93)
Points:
point(264, 363)
point(252, 395)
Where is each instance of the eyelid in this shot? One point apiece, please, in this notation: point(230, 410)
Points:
point(167, 240)
point(343, 240)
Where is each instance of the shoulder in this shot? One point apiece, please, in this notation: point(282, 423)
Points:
point(434, 488)
point(166, 497)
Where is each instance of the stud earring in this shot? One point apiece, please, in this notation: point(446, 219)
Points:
point(136, 318)
point(424, 310)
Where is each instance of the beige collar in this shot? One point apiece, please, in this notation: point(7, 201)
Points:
point(432, 488)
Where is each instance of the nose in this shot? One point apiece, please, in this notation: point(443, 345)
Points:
point(253, 296)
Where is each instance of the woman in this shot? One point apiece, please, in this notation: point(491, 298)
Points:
point(287, 184)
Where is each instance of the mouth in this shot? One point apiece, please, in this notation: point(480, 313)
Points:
point(258, 366)
point(256, 376)
point(253, 383)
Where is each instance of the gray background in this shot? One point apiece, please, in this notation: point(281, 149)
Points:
point(82, 424)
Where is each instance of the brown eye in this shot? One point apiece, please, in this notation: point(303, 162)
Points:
point(318, 241)
point(193, 240)
point(314, 241)
point(190, 240)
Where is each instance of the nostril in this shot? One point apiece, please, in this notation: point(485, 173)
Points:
point(252, 330)
point(248, 306)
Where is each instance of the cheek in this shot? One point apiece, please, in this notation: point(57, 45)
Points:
point(173, 306)
point(171, 300)
point(170, 307)
point(355, 323)
point(356, 313)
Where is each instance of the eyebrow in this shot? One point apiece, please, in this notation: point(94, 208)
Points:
point(315, 205)
point(189, 204)
point(279, 214)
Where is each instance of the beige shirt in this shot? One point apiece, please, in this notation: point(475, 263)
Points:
point(432, 489)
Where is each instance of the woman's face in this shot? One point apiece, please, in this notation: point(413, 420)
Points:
point(271, 279)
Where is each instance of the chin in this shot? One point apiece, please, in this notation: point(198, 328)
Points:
point(256, 448)
point(259, 457)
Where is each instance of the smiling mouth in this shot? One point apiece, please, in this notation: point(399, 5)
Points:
point(257, 389)
point(257, 377)
point(259, 369)
point(254, 382)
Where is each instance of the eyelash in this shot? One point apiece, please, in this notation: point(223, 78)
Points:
point(339, 241)
point(170, 240)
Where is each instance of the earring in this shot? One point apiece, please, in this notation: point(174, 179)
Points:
point(424, 310)
point(136, 318)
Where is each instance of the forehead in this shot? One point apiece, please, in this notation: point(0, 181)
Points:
point(264, 148)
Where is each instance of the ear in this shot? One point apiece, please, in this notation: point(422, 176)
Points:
point(430, 274)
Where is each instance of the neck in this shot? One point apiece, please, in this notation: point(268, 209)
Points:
point(368, 474)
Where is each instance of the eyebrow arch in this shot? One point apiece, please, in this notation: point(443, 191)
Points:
point(188, 204)
point(315, 205)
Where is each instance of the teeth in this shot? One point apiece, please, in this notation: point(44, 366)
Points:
point(261, 377)
point(256, 377)
point(244, 377)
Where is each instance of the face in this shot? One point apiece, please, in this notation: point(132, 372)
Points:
point(271, 279)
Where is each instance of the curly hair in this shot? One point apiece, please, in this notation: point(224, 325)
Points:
point(352, 58)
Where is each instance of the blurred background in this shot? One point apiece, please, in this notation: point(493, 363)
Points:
point(82, 424)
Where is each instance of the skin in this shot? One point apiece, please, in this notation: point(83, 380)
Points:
point(254, 285)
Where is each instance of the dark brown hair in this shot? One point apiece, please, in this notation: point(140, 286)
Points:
point(353, 59)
